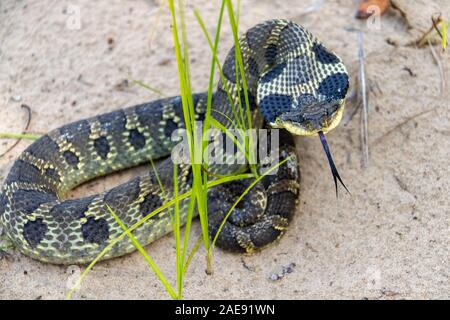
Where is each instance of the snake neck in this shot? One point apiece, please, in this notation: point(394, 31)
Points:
point(263, 48)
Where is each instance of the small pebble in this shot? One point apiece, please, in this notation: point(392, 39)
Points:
point(16, 98)
point(289, 268)
point(274, 277)
point(284, 271)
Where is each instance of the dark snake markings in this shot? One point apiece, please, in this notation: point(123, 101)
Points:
point(293, 81)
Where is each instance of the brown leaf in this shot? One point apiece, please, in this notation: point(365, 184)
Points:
point(368, 7)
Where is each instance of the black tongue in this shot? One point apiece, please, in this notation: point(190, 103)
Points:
point(331, 163)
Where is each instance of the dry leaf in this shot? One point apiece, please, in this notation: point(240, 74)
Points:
point(370, 7)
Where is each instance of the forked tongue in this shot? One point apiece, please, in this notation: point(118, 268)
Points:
point(333, 168)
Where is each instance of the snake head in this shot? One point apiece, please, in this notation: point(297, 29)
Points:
point(303, 88)
point(315, 117)
point(304, 84)
point(311, 118)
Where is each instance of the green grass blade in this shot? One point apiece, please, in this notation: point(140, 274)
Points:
point(195, 146)
point(161, 186)
point(176, 233)
point(27, 136)
point(216, 61)
point(146, 86)
point(444, 35)
point(243, 195)
point(187, 229)
point(240, 70)
point(202, 197)
point(191, 254)
point(241, 124)
point(147, 258)
point(145, 219)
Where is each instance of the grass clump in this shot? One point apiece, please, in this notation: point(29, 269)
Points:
point(202, 181)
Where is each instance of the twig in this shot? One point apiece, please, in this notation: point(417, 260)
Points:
point(356, 101)
point(28, 109)
point(365, 103)
point(421, 41)
point(356, 108)
point(439, 64)
point(435, 22)
point(353, 98)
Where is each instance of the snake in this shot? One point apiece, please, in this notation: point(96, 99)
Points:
point(292, 84)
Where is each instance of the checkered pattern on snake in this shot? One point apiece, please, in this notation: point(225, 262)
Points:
point(294, 83)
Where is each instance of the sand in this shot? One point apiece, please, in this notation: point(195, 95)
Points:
point(388, 240)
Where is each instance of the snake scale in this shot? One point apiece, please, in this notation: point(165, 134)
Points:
point(294, 83)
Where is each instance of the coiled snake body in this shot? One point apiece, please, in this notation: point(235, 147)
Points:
point(294, 83)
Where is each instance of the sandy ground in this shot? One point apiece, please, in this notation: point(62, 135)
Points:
point(388, 240)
